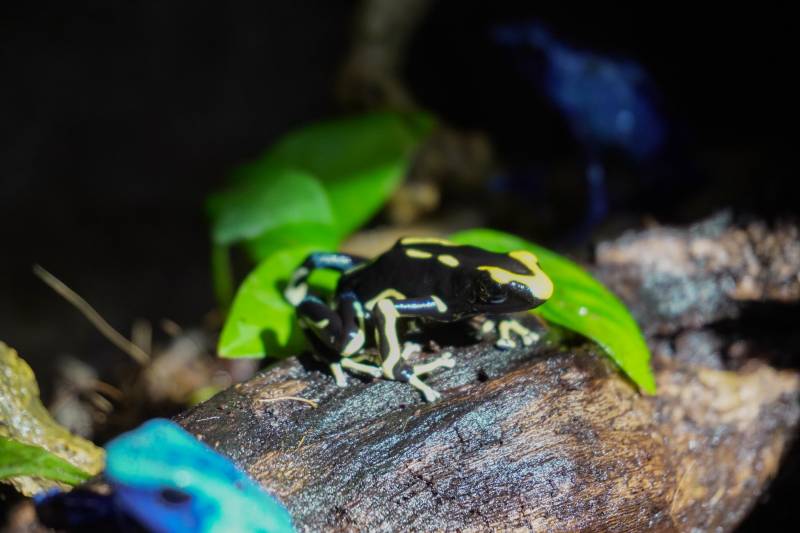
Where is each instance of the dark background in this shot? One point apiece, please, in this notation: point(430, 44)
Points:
point(117, 118)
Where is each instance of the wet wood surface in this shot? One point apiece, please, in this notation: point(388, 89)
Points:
point(549, 438)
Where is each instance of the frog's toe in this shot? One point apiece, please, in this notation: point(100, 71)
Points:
point(338, 374)
point(446, 360)
point(505, 343)
point(410, 348)
point(529, 338)
point(430, 394)
point(443, 361)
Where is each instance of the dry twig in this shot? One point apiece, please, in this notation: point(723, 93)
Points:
point(106, 329)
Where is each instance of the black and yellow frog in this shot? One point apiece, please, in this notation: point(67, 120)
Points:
point(418, 278)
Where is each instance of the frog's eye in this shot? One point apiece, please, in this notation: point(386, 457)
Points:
point(492, 293)
point(497, 297)
point(172, 496)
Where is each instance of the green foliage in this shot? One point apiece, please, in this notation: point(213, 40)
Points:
point(359, 160)
point(18, 459)
point(261, 322)
point(580, 303)
point(334, 174)
point(25, 421)
point(290, 236)
point(270, 196)
point(314, 187)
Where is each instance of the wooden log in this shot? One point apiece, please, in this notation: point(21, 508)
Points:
point(552, 438)
point(543, 440)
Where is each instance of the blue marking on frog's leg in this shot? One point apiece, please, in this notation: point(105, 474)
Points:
point(297, 288)
point(332, 261)
point(386, 312)
point(428, 307)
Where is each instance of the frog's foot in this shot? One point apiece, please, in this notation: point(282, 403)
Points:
point(406, 373)
point(487, 327)
point(504, 339)
point(430, 394)
point(443, 361)
point(414, 327)
point(411, 375)
point(354, 364)
point(338, 374)
point(509, 326)
point(409, 349)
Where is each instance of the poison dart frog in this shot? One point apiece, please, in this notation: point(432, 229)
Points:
point(163, 479)
point(426, 279)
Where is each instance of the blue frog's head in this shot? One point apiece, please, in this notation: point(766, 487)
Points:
point(170, 481)
point(607, 101)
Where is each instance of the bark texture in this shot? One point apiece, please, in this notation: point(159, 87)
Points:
point(551, 438)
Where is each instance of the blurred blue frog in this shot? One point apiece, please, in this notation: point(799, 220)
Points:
point(164, 480)
point(608, 103)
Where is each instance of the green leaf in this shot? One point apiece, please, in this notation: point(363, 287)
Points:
point(261, 322)
point(360, 160)
point(18, 459)
point(342, 147)
point(334, 175)
point(291, 236)
point(580, 303)
point(24, 419)
point(271, 196)
point(359, 197)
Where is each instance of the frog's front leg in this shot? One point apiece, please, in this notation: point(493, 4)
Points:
point(505, 327)
point(386, 312)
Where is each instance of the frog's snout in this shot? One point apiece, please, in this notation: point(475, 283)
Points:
point(529, 297)
point(542, 287)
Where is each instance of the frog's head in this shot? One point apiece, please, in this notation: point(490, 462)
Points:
point(514, 282)
point(170, 481)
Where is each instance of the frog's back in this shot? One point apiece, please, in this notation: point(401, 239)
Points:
point(412, 268)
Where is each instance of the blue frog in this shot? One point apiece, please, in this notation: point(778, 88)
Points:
point(609, 103)
point(165, 480)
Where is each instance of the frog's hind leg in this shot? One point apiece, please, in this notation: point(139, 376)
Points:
point(393, 365)
point(324, 354)
point(338, 331)
point(297, 288)
point(445, 360)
